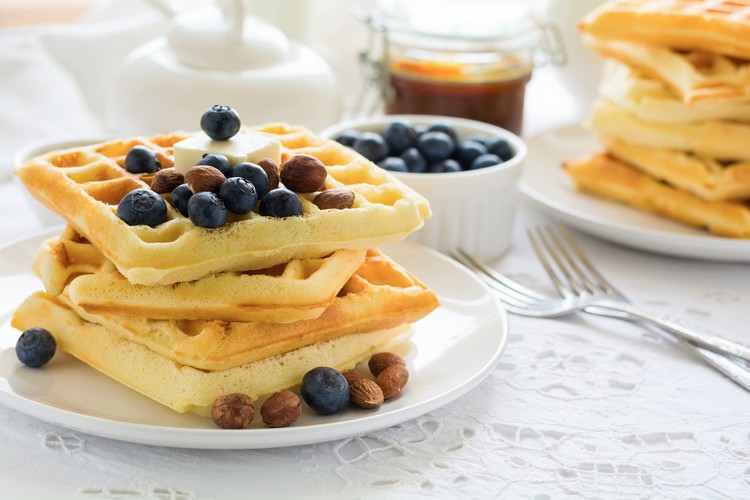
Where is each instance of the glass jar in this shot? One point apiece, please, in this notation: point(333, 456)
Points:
point(463, 58)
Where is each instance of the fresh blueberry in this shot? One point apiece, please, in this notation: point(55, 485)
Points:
point(394, 164)
point(501, 148)
point(325, 390)
point(446, 129)
point(372, 146)
point(253, 173)
point(207, 210)
point(220, 122)
point(435, 146)
point(238, 194)
point(180, 198)
point(467, 151)
point(142, 206)
point(348, 138)
point(141, 160)
point(444, 166)
point(218, 161)
point(399, 135)
point(35, 347)
point(280, 202)
point(415, 162)
point(478, 138)
point(486, 160)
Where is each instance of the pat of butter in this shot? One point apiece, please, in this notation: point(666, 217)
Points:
point(245, 146)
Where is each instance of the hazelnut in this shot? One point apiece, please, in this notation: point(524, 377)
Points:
point(281, 409)
point(382, 360)
point(366, 394)
point(166, 180)
point(272, 171)
point(204, 178)
point(338, 199)
point(392, 380)
point(303, 174)
point(233, 411)
point(351, 376)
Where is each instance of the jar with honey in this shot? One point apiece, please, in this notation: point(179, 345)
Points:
point(463, 58)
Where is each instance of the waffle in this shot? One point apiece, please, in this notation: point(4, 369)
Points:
point(719, 139)
point(695, 77)
point(296, 290)
point(84, 185)
point(651, 101)
point(184, 388)
point(380, 295)
point(610, 178)
point(703, 177)
point(717, 26)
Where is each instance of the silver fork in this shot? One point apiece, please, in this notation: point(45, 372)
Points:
point(593, 294)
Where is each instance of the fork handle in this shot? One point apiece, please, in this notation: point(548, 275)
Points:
point(727, 367)
point(712, 342)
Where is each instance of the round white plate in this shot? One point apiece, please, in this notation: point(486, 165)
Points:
point(546, 183)
point(452, 350)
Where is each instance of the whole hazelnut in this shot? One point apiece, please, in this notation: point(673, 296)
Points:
point(303, 174)
point(382, 360)
point(204, 178)
point(281, 409)
point(233, 411)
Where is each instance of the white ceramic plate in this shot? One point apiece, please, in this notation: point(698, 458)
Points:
point(453, 349)
point(545, 182)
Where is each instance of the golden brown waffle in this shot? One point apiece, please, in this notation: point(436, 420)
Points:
point(703, 177)
point(651, 101)
point(184, 388)
point(84, 185)
point(296, 290)
point(610, 178)
point(717, 26)
point(694, 77)
point(380, 295)
point(719, 139)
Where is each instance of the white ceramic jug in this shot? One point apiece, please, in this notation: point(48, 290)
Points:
point(220, 56)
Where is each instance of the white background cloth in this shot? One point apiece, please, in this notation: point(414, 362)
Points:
point(582, 407)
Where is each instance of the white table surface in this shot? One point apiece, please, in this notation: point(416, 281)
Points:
point(583, 407)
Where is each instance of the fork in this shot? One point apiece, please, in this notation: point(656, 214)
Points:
point(594, 294)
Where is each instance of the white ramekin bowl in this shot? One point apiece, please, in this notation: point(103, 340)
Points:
point(473, 210)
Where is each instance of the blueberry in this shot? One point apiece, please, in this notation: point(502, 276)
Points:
point(253, 173)
point(348, 138)
point(372, 146)
point(435, 146)
point(486, 160)
point(325, 390)
point(469, 150)
point(415, 162)
point(446, 129)
point(478, 138)
point(218, 161)
point(35, 347)
point(444, 166)
point(394, 164)
point(280, 202)
point(141, 160)
point(180, 198)
point(207, 210)
point(238, 194)
point(142, 206)
point(501, 148)
point(220, 122)
point(399, 135)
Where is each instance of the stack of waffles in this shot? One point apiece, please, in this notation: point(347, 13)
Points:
point(674, 110)
point(184, 314)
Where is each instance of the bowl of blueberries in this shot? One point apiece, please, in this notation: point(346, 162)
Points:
point(468, 170)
